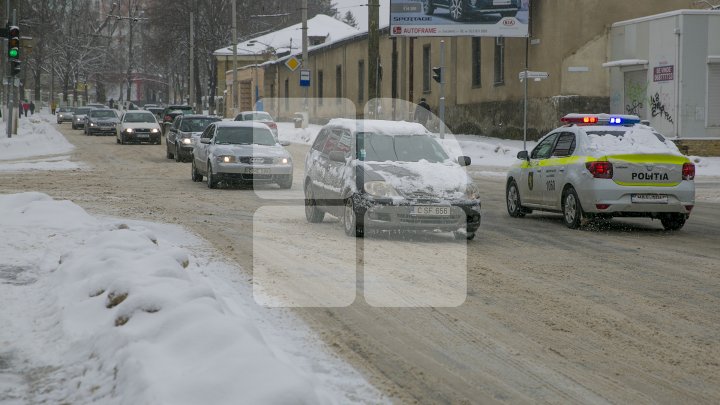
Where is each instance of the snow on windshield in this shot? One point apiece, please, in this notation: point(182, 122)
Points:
point(402, 148)
point(628, 140)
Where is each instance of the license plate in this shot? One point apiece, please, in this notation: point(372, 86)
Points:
point(649, 198)
point(257, 171)
point(431, 211)
point(143, 135)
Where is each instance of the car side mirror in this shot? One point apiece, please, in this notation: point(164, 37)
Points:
point(464, 160)
point(284, 143)
point(205, 140)
point(337, 156)
point(523, 155)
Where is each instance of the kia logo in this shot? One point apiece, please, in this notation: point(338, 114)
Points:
point(509, 22)
point(397, 30)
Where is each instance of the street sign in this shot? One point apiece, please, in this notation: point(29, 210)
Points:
point(305, 78)
point(292, 63)
point(533, 75)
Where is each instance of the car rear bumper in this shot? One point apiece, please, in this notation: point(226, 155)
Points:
point(680, 198)
point(382, 215)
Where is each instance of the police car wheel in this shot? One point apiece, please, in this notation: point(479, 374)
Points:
point(572, 211)
point(673, 222)
point(514, 207)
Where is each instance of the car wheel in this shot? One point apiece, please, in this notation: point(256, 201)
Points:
point(514, 207)
point(73, 126)
point(117, 140)
point(571, 208)
point(177, 153)
point(457, 9)
point(286, 181)
point(464, 235)
point(428, 7)
point(352, 220)
point(122, 139)
point(312, 213)
point(195, 174)
point(168, 154)
point(211, 183)
point(673, 222)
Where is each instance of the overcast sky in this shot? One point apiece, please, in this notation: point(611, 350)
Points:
point(360, 10)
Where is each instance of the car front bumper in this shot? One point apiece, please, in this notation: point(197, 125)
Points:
point(101, 130)
point(141, 137)
point(680, 198)
point(391, 215)
point(251, 173)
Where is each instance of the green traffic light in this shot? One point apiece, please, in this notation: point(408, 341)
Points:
point(13, 53)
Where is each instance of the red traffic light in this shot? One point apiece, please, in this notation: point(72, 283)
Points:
point(13, 31)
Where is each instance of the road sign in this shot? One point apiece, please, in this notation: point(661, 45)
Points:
point(533, 75)
point(292, 63)
point(305, 78)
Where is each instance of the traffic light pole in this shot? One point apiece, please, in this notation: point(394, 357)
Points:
point(11, 86)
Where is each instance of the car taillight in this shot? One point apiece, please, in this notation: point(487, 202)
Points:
point(688, 171)
point(272, 125)
point(600, 170)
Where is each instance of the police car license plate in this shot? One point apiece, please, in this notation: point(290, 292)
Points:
point(649, 198)
point(254, 170)
point(431, 211)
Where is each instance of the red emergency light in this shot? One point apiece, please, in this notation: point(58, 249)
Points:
point(580, 119)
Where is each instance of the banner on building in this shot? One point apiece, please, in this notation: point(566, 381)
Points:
point(447, 18)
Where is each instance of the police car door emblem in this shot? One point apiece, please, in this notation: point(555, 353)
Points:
point(530, 180)
point(649, 167)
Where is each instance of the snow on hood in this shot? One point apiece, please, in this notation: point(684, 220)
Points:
point(447, 179)
point(638, 139)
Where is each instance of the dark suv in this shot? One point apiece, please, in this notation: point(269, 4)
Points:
point(170, 112)
point(388, 175)
point(181, 135)
point(462, 9)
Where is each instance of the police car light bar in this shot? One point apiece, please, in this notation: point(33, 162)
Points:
point(600, 119)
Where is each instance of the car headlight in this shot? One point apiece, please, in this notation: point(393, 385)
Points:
point(282, 161)
point(154, 130)
point(92, 124)
point(187, 141)
point(129, 130)
point(472, 192)
point(380, 189)
point(226, 159)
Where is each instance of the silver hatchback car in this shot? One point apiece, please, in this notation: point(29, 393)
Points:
point(65, 114)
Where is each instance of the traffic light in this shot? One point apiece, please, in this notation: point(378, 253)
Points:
point(14, 49)
point(437, 74)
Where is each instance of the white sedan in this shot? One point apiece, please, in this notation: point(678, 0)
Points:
point(138, 126)
point(602, 166)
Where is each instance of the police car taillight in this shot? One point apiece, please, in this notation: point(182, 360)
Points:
point(600, 170)
point(688, 171)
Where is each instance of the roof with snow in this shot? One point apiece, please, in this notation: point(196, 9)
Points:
point(321, 28)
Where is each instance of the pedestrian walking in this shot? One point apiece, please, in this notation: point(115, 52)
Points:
point(32, 107)
point(422, 112)
point(25, 107)
point(53, 107)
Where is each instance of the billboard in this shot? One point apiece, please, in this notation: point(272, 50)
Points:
point(447, 18)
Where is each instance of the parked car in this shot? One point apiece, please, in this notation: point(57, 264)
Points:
point(138, 126)
point(259, 116)
point(170, 112)
point(245, 152)
point(78, 118)
point(180, 136)
point(388, 175)
point(101, 121)
point(65, 114)
point(464, 9)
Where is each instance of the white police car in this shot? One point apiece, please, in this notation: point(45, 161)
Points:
point(602, 166)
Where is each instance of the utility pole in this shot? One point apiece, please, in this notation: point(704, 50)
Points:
point(305, 58)
point(234, 75)
point(11, 116)
point(192, 59)
point(373, 49)
point(442, 89)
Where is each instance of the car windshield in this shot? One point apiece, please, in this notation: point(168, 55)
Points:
point(139, 117)
point(102, 114)
point(196, 124)
point(375, 147)
point(82, 111)
point(258, 116)
point(65, 109)
point(244, 136)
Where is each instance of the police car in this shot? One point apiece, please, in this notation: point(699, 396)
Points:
point(603, 166)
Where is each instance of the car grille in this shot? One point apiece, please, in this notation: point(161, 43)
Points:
point(413, 219)
point(423, 197)
point(142, 130)
point(256, 160)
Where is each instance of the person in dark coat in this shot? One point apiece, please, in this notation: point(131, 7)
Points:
point(32, 108)
point(422, 112)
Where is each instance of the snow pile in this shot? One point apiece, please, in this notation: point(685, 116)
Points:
point(706, 166)
point(640, 139)
point(113, 314)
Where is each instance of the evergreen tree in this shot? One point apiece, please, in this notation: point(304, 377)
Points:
point(349, 19)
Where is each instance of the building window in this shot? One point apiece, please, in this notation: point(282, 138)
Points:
point(361, 81)
point(713, 107)
point(320, 87)
point(476, 76)
point(499, 61)
point(287, 94)
point(426, 69)
point(338, 82)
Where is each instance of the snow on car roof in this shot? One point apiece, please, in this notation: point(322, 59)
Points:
point(380, 126)
point(618, 140)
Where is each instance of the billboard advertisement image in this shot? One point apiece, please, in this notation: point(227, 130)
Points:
point(446, 18)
